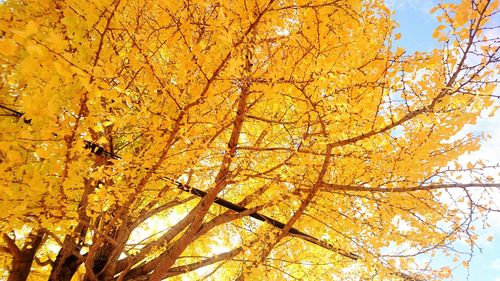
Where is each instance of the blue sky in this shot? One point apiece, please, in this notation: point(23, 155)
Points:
point(416, 27)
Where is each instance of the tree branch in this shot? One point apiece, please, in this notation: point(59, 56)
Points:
point(336, 187)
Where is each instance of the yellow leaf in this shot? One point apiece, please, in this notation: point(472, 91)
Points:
point(31, 27)
point(8, 47)
point(14, 156)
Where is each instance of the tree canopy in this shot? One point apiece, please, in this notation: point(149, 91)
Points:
point(239, 140)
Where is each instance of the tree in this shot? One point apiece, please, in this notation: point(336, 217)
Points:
point(247, 140)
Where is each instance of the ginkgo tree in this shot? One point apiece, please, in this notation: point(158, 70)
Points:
point(239, 140)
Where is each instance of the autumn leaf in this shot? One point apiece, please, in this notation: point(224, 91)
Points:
point(222, 140)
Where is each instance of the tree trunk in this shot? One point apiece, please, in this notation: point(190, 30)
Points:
point(67, 262)
point(23, 258)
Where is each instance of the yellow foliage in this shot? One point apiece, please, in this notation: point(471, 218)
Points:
point(125, 124)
